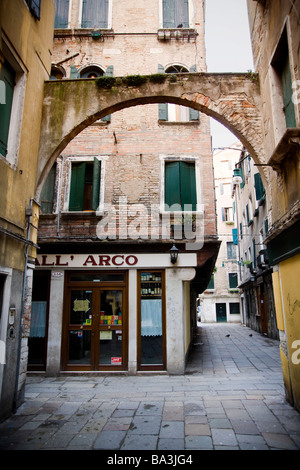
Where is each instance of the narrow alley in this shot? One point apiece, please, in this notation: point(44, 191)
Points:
point(231, 397)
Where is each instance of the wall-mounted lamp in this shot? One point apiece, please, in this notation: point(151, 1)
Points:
point(173, 254)
point(237, 179)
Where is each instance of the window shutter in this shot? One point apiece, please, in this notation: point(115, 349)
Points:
point(85, 20)
point(235, 236)
point(109, 72)
point(194, 113)
point(169, 13)
point(7, 76)
point(61, 13)
point(287, 91)
point(47, 193)
point(102, 13)
point(259, 188)
point(96, 184)
point(254, 253)
point(73, 72)
point(188, 185)
point(172, 184)
point(94, 14)
point(242, 176)
point(223, 214)
point(247, 213)
point(233, 280)
point(77, 187)
point(162, 107)
point(211, 284)
point(181, 13)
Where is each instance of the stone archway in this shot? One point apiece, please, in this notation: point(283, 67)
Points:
point(72, 105)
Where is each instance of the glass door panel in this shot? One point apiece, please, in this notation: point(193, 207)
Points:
point(95, 325)
point(151, 325)
point(80, 327)
point(79, 347)
point(111, 327)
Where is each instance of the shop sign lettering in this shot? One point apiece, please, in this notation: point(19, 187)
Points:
point(86, 261)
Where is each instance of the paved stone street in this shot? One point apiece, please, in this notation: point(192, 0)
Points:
point(231, 397)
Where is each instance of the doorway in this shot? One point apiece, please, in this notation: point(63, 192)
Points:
point(95, 322)
point(221, 312)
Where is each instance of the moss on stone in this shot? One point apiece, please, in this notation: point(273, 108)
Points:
point(131, 80)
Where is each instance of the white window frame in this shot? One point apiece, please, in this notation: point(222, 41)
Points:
point(67, 176)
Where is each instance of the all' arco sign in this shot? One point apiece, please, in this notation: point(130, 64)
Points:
point(86, 260)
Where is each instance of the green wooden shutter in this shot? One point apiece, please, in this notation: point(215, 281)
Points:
point(188, 185)
point(96, 184)
point(61, 13)
point(247, 214)
point(169, 13)
point(94, 14)
point(77, 187)
point(242, 176)
point(7, 75)
point(172, 184)
point(47, 193)
point(259, 187)
point(73, 72)
point(289, 109)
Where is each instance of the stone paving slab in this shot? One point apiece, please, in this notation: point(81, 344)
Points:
point(231, 398)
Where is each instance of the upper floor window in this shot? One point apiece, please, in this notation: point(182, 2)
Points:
point(91, 71)
point(233, 280)
point(85, 185)
point(281, 66)
point(48, 192)
point(180, 186)
point(57, 72)
point(231, 252)
point(175, 13)
point(13, 86)
point(94, 14)
point(61, 14)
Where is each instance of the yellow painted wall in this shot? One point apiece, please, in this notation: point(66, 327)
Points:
point(29, 41)
point(287, 300)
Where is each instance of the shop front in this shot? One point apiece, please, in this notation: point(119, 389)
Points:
point(111, 313)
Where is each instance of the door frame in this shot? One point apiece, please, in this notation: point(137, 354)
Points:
point(91, 285)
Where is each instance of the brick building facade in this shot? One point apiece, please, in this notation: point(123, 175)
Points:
point(104, 285)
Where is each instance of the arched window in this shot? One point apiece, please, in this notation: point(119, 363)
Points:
point(92, 71)
point(57, 72)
